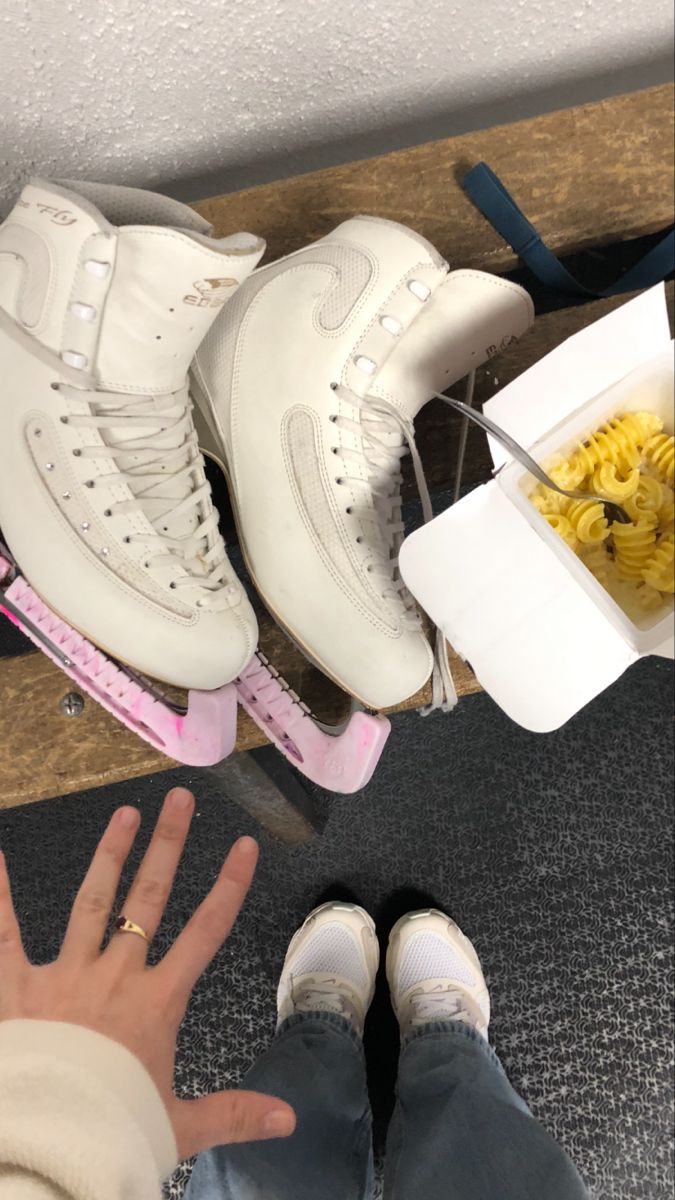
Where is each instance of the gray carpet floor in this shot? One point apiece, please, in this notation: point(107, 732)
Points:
point(553, 852)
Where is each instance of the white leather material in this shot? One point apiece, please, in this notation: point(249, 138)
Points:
point(468, 320)
point(272, 357)
point(166, 290)
point(80, 528)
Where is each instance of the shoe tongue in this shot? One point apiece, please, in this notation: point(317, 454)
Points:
point(168, 287)
point(161, 282)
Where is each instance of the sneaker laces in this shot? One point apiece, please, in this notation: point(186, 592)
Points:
point(441, 1004)
point(160, 461)
point(326, 994)
point(385, 437)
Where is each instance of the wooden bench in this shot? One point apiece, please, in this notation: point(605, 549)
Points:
point(589, 176)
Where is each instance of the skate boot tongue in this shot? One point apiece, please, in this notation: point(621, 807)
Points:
point(134, 280)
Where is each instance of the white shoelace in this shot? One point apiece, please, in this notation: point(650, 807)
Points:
point(386, 436)
point(168, 481)
point(328, 995)
point(448, 1005)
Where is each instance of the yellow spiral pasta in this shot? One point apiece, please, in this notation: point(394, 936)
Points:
point(633, 545)
point(588, 520)
point(648, 498)
point(667, 517)
point(563, 527)
point(608, 481)
point(568, 474)
point(659, 570)
point(660, 453)
point(619, 441)
point(547, 501)
point(630, 461)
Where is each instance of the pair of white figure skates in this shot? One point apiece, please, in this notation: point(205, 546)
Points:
point(131, 339)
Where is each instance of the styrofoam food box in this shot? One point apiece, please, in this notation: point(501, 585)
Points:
point(541, 634)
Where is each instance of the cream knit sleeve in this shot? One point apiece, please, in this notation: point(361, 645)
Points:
point(79, 1117)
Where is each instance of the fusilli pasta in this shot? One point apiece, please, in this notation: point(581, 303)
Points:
point(632, 461)
point(660, 452)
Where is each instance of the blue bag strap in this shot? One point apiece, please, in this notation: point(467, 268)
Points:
point(489, 195)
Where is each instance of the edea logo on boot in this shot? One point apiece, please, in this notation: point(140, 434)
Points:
point(212, 292)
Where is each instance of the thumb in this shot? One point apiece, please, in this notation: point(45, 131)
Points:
point(232, 1116)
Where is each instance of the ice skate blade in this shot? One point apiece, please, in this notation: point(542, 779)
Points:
point(202, 736)
point(341, 762)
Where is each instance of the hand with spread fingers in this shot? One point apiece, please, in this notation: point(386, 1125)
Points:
point(115, 993)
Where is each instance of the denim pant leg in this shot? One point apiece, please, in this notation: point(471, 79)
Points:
point(316, 1064)
point(460, 1131)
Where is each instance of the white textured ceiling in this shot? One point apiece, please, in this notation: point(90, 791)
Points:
point(227, 91)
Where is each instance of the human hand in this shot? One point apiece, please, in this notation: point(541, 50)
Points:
point(115, 993)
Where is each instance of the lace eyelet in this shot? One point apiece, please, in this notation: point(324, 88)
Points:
point(89, 483)
point(359, 540)
point(339, 480)
point(56, 387)
point(76, 453)
point(173, 585)
point(107, 512)
point(349, 510)
point(97, 268)
point(146, 564)
point(334, 450)
point(391, 325)
point(332, 417)
point(419, 289)
point(333, 387)
point(126, 539)
point(63, 420)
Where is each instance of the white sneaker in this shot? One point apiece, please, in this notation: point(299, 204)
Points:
point(331, 964)
point(434, 973)
point(309, 384)
point(105, 294)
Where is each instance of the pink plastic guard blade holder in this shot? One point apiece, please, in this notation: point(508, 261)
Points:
point(340, 762)
point(201, 737)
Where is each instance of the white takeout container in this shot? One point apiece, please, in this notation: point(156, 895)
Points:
point(541, 634)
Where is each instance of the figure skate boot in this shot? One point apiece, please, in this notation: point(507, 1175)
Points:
point(307, 388)
point(105, 294)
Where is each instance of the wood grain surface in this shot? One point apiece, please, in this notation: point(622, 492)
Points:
point(585, 176)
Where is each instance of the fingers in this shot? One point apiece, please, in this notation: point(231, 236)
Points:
point(94, 901)
point(150, 889)
point(228, 1117)
point(11, 948)
point(207, 929)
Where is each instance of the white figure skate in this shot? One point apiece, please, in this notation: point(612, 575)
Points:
point(308, 387)
point(105, 293)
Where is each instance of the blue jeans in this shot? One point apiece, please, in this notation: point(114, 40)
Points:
point(459, 1131)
